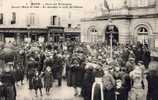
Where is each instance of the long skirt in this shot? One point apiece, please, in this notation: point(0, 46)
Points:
point(97, 91)
point(10, 93)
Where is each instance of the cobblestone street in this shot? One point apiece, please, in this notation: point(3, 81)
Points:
point(57, 93)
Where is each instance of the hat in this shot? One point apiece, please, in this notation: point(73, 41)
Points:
point(141, 62)
point(131, 59)
point(10, 63)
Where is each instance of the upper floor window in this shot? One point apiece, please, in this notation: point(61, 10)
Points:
point(69, 25)
point(142, 31)
point(13, 21)
point(1, 18)
point(32, 19)
point(142, 3)
point(53, 20)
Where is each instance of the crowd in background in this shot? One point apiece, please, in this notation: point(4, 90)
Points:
point(88, 68)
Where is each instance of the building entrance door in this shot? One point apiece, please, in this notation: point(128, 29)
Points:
point(143, 35)
point(34, 38)
point(56, 37)
point(112, 31)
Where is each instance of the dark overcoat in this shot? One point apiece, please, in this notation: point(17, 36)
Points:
point(37, 82)
point(9, 84)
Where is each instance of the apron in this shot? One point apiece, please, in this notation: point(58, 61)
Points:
point(98, 82)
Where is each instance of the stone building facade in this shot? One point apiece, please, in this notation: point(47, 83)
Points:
point(22, 19)
point(136, 21)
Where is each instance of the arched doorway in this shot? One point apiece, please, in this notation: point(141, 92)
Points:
point(115, 34)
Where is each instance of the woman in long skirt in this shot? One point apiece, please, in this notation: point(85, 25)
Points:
point(88, 81)
point(97, 88)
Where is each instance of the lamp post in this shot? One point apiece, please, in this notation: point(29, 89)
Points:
point(111, 28)
point(28, 34)
point(28, 28)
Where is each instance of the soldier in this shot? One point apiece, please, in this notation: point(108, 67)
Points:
point(138, 84)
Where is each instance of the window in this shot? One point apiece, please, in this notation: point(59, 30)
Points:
point(142, 31)
point(142, 3)
point(69, 25)
point(143, 35)
point(13, 21)
point(92, 34)
point(53, 20)
point(32, 19)
point(1, 18)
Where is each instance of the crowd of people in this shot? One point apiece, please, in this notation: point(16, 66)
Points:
point(88, 68)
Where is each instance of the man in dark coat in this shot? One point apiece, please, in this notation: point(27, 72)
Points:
point(122, 83)
point(152, 78)
point(30, 72)
point(139, 54)
point(76, 75)
point(58, 68)
point(9, 83)
point(146, 57)
point(88, 81)
point(19, 74)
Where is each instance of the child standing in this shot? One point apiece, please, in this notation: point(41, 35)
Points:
point(37, 83)
point(48, 79)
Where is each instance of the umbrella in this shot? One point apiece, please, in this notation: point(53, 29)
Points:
point(9, 45)
point(8, 54)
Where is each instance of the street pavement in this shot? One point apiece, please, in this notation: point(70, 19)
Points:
point(57, 93)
